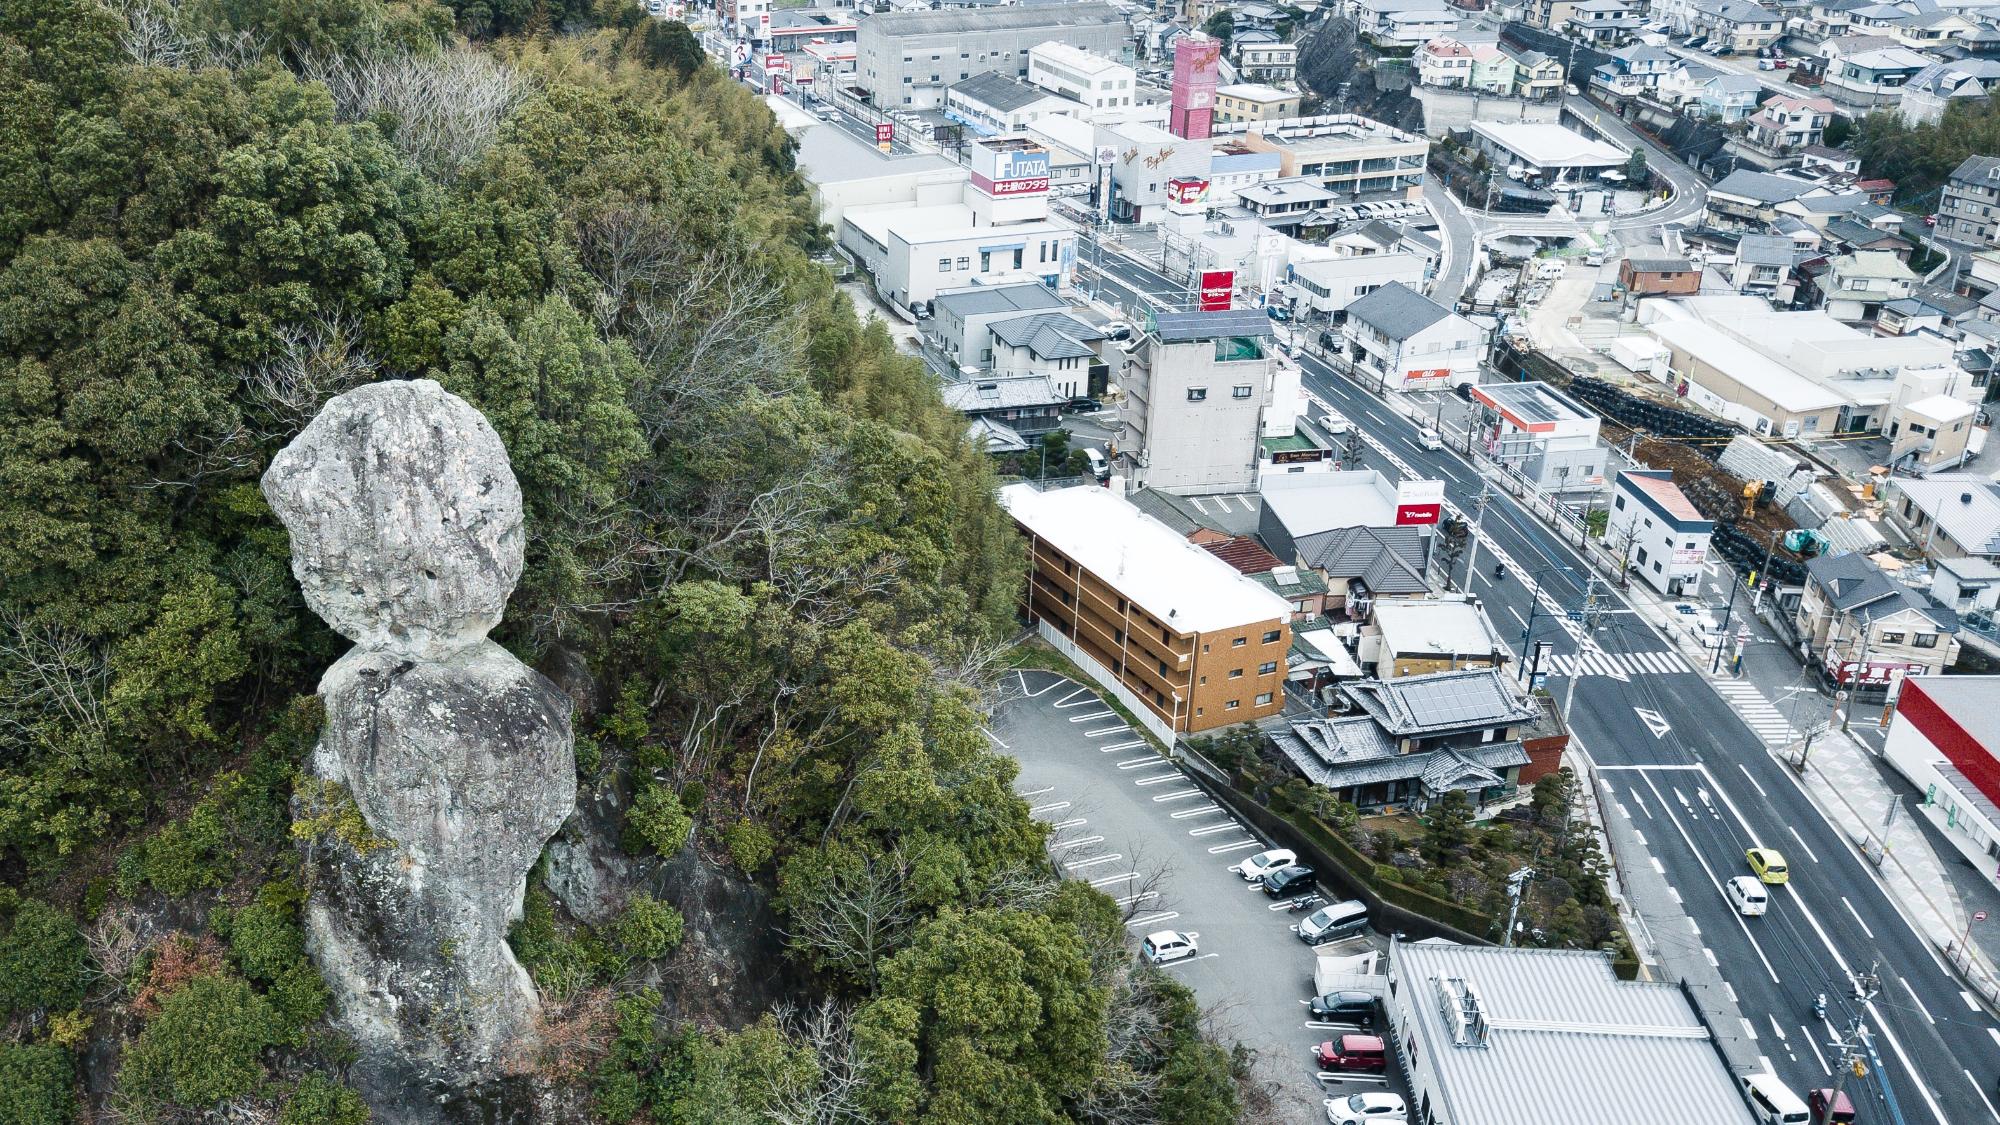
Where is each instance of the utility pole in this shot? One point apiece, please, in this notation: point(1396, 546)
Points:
point(1727, 613)
point(1517, 889)
point(1472, 549)
point(1851, 1063)
point(1854, 682)
point(1590, 616)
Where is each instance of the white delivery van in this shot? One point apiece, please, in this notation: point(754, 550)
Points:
point(1747, 894)
point(1771, 1103)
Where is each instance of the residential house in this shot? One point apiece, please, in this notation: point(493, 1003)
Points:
point(1860, 628)
point(1406, 24)
point(1025, 404)
point(1970, 587)
point(1604, 23)
point(1931, 30)
point(1493, 70)
point(1375, 237)
point(1929, 434)
point(1763, 264)
point(1416, 739)
point(1444, 62)
point(1651, 274)
point(1868, 79)
point(961, 321)
point(1746, 200)
point(1729, 97)
point(1788, 123)
point(1548, 15)
point(1846, 235)
point(1305, 590)
point(1401, 338)
point(1657, 531)
point(1819, 157)
point(1056, 345)
point(1828, 19)
point(1942, 84)
point(1856, 286)
point(1182, 639)
point(1420, 637)
point(1537, 77)
point(1970, 208)
point(1359, 566)
point(1541, 435)
point(1271, 63)
point(1634, 70)
point(1948, 515)
point(1330, 286)
point(1294, 508)
point(1739, 25)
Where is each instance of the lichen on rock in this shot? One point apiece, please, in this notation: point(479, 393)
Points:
point(456, 757)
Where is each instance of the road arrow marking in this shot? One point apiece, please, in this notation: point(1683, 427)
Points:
point(1655, 722)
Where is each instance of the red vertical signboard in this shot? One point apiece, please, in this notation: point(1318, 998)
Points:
point(1217, 287)
point(885, 135)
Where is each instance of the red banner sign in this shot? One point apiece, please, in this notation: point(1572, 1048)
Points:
point(1417, 373)
point(1033, 186)
point(885, 132)
point(1217, 287)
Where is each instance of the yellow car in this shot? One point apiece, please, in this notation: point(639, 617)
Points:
point(1767, 865)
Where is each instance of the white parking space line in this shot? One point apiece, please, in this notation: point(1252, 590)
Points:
point(1202, 811)
point(1131, 763)
point(1158, 778)
point(1066, 824)
point(988, 732)
point(1048, 808)
point(1038, 792)
point(1105, 882)
point(1104, 714)
point(1133, 745)
point(1080, 841)
point(1093, 861)
point(1212, 829)
point(1192, 792)
point(1070, 700)
point(1220, 849)
point(1121, 728)
point(1185, 960)
point(1023, 677)
point(1154, 919)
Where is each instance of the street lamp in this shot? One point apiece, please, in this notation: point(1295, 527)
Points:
point(1535, 612)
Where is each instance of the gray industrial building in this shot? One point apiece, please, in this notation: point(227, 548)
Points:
point(908, 59)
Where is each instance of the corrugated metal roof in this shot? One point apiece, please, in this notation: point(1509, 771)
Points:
point(1567, 1042)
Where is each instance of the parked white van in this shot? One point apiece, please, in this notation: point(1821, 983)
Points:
point(1771, 1103)
point(1747, 894)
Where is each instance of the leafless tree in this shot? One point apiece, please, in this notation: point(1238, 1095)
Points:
point(311, 364)
point(49, 674)
point(834, 1097)
point(114, 944)
point(717, 329)
point(1145, 893)
point(152, 37)
point(858, 915)
point(448, 106)
point(1020, 887)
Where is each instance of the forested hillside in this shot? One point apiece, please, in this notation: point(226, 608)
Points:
point(762, 558)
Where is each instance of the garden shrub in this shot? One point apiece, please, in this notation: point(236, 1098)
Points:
point(35, 1085)
point(204, 1046)
point(41, 959)
point(319, 1100)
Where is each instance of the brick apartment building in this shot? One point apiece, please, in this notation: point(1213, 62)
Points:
point(1178, 635)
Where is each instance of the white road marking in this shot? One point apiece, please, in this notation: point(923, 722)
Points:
point(1753, 781)
point(1202, 811)
point(1066, 701)
point(1190, 792)
point(1133, 745)
point(1780, 1031)
point(988, 731)
point(1641, 802)
point(1121, 728)
point(1066, 824)
point(1154, 919)
point(1713, 881)
point(1995, 1034)
point(1104, 714)
point(1981, 1091)
point(1093, 861)
point(1107, 881)
point(1970, 1002)
point(1824, 1068)
point(1140, 897)
point(1038, 792)
point(1131, 763)
point(1048, 808)
point(1857, 917)
point(1076, 843)
point(1223, 848)
point(1913, 999)
point(1802, 843)
point(1184, 960)
point(1212, 829)
point(1158, 778)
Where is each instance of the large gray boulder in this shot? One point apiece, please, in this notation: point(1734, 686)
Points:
point(406, 536)
point(405, 518)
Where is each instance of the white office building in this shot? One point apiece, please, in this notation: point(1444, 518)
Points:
point(1071, 72)
point(1196, 391)
point(1541, 433)
point(1331, 285)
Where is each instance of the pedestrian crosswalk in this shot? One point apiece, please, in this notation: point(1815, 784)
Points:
point(1616, 664)
point(1765, 721)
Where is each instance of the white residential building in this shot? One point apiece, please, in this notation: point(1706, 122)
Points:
point(1660, 534)
point(1445, 62)
point(1331, 285)
point(1405, 23)
point(1196, 391)
point(1408, 342)
point(1543, 434)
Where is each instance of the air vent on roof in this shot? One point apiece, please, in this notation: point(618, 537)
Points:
point(1965, 497)
point(988, 387)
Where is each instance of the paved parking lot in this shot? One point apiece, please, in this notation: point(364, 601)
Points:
point(1130, 823)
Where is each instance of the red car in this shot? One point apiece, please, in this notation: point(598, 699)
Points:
point(1843, 1109)
point(1353, 1052)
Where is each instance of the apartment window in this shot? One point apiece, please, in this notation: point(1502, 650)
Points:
point(944, 265)
point(1240, 390)
point(1619, 503)
point(1200, 711)
point(1263, 698)
point(1926, 640)
point(1197, 394)
point(965, 263)
point(1892, 638)
point(1204, 681)
point(1266, 668)
point(1239, 642)
point(1271, 637)
point(985, 261)
point(1232, 705)
point(1166, 638)
point(1020, 256)
point(1163, 667)
point(1236, 673)
point(1204, 648)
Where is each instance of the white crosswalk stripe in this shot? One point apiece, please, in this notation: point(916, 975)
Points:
point(1765, 721)
point(1617, 663)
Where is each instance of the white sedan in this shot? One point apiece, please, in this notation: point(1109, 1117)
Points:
point(1369, 1106)
point(1263, 863)
point(1168, 945)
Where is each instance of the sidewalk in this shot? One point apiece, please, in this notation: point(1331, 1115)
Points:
point(1846, 781)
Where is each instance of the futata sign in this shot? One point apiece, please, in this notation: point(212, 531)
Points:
point(1019, 172)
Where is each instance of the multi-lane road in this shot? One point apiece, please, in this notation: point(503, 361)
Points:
point(1679, 761)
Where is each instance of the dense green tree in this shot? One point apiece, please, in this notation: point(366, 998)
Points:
point(204, 1045)
point(35, 1083)
point(41, 959)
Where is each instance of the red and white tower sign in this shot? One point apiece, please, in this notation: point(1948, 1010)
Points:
point(1191, 108)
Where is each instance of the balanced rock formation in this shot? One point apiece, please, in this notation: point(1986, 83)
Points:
point(405, 521)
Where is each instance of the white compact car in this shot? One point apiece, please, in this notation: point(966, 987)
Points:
point(1263, 863)
point(1366, 1107)
point(1429, 439)
point(1168, 945)
point(1747, 894)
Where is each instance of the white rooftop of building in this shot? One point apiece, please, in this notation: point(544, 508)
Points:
point(1308, 503)
point(1085, 63)
point(1534, 1036)
point(1254, 92)
point(1550, 146)
point(1783, 387)
point(1149, 563)
point(1942, 408)
point(1434, 628)
point(944, 222)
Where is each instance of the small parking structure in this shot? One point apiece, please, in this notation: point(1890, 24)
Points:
point(1132, 824)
